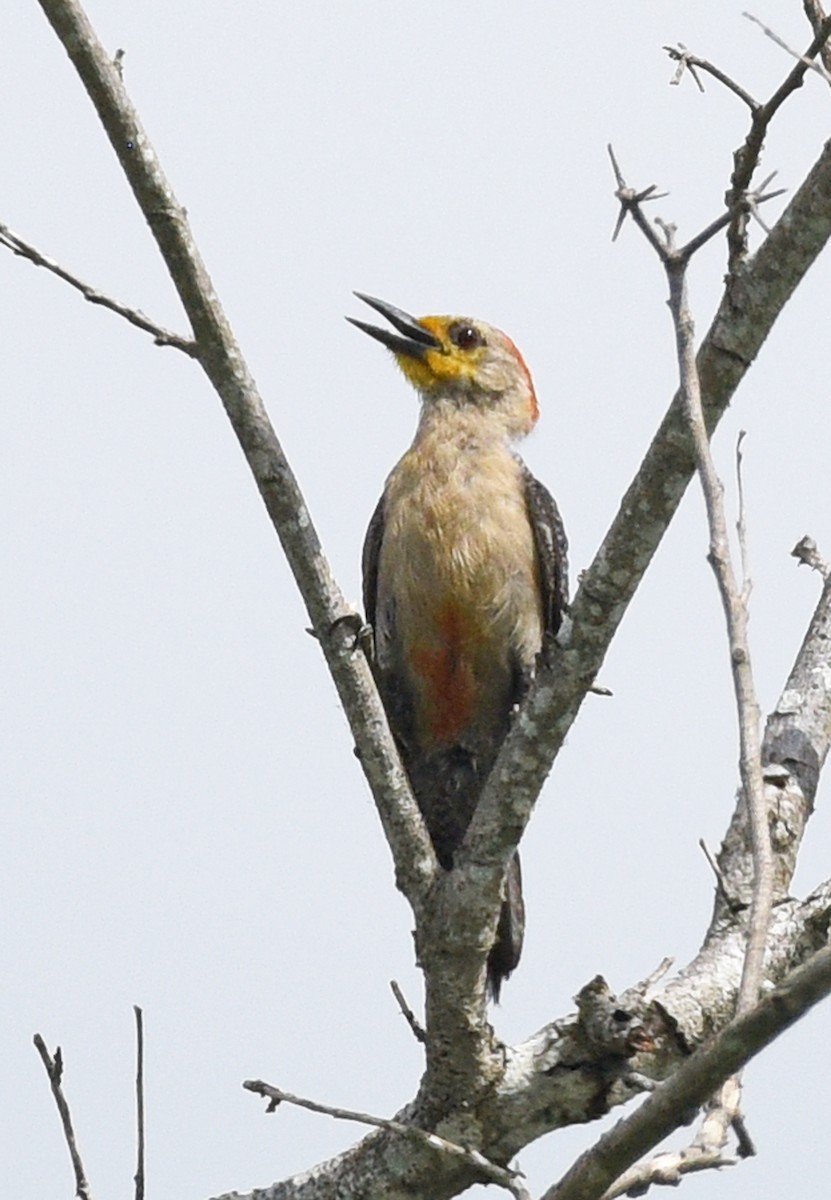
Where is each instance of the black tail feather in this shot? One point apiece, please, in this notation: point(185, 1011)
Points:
point(507, 948)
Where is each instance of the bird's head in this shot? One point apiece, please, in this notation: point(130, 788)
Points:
point(459, 360)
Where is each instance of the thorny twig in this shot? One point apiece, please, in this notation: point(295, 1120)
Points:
point(630, 205)
point(692, 63)
point(495, 1174)
point(54, 1070)
point(746, 158)
point(161, 336)
point(756, 197)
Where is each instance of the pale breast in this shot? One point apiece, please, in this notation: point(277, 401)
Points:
point(457, 532)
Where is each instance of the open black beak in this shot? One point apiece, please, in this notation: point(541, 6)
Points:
point(414, 339)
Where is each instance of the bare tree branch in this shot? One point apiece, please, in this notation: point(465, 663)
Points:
point(139, 1177)
point(222, 360)
point(161, 336)
point(733, 601)
point(705, 1152)
point(748, 309)
point(553, 1079)
point(490, 1172)
point(631, 201)
point(794, 749)
point(741, 519)
point(725, 1109)
point(721, 882)
point(54, 1070)
point(664, 1109)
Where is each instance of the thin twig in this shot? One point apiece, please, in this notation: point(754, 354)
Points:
point(757, 196)
point(496, 1174)
point(54, 1070)
point(408, 1014)
point(647, 985)
point(735, 611)
point(741, 521)
point(161, 336)
point(705, 1152)
point(721, 882)
point(667, 1168)
point(691, 63)
point(809, 63)
point(726, 1107)
point(139, 1175)
point(707, 1148)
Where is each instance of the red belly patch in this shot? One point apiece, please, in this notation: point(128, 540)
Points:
point(443, 667)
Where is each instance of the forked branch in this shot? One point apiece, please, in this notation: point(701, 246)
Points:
point(746, 158)
point(664, 1109)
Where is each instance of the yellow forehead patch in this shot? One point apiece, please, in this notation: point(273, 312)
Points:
point(440, 365)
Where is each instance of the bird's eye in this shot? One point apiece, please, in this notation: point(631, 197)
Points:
point(465, 336)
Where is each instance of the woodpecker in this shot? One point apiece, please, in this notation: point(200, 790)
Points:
point(464, 577)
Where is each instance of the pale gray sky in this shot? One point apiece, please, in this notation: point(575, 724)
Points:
point(184, 825)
